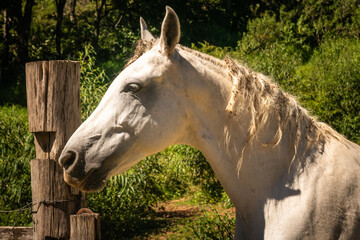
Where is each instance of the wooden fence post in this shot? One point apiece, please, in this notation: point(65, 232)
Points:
point(53, 99)
point(85, 225)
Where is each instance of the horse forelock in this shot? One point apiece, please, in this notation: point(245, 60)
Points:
point(142, 47)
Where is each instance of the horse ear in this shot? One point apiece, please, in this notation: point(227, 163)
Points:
point(145, 34)
point(170, 31)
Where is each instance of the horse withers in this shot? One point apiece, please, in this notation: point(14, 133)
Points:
point(288, 176)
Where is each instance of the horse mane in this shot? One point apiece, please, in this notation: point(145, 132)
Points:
point(263, 99)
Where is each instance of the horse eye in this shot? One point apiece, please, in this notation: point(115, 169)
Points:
point(132, 87)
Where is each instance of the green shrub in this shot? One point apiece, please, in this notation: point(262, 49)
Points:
point(313, 20)
point(201, 174)
point(93, 82)
point(322, 19)
point(212, 226)
point(127, 199)
point(205, 47)
point(329, 85)
point(273, 47)
point(16, 151)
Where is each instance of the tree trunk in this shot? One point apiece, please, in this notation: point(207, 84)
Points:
point(24, 31)
point(19, 20)
point(60, 4)
point(6, 35)
point(98, 17)
point(16, 32)
point(6, 41)
point(72, 12)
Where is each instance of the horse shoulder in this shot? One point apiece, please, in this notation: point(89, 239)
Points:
point(346, 185)
point(335, 202)
point(328, 206)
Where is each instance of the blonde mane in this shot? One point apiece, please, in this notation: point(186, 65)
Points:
point(264, 100)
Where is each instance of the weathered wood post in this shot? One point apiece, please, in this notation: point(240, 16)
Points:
point(53, 100)
point(85, 225)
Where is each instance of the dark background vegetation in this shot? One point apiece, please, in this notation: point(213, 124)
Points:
point(59, 29)
point(310, 47)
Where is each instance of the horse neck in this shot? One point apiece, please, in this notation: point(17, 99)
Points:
point(242, 165)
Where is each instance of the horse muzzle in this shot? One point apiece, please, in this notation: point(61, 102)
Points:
point(75, 174)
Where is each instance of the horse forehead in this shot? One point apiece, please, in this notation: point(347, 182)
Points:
point(151, 64)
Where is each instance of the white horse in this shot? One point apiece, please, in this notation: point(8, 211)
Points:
point(289, 176)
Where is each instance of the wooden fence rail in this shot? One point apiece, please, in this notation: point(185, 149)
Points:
point(16, 233)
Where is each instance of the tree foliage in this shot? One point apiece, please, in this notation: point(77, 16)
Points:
point(329, 85)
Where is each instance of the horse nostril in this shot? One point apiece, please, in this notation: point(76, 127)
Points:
point(68, 159)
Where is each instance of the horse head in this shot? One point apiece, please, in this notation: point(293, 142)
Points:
point(142, 112)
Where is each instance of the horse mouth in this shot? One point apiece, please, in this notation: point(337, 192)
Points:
point(91, 183)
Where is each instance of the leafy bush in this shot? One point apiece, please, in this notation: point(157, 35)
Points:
point(93, 82)
point(205, 47)
point(314, 20)
point(184, 167)
point(126, 200)
point(273, 47)
point(329, 85)
point(320, 20)
point(212, 226)
point(16, 151)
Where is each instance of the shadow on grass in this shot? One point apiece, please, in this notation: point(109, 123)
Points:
point(162, 221)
